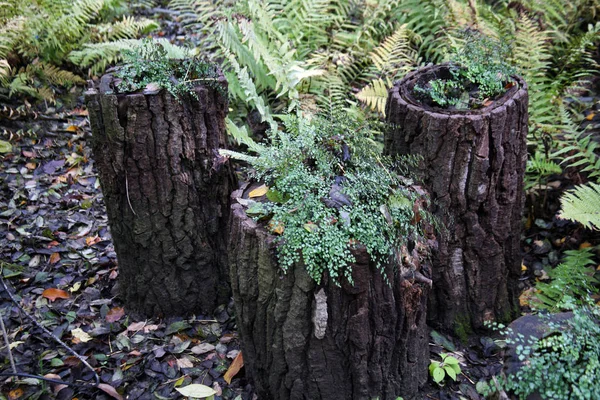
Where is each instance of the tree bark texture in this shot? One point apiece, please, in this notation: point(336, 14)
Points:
point(473, 165)
point(301, 340)
point(166, 190)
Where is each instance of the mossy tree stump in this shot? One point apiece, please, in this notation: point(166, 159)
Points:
point(166, 190)
point(473, 166)
point(301, 340)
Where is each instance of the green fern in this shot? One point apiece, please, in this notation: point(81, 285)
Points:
point(582, 205)
point(572, 282)
point(98, 56)
point(375, 95)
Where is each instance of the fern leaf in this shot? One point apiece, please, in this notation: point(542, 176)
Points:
point(395, 54)
point(241, 136)
point(582, 205)
point(374, 95)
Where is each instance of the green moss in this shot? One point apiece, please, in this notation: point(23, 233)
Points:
point(462, 328)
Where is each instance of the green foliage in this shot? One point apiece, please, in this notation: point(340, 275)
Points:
point(447, 367)
point(304, 54)
point(582, 205)
point(331, 191)
point(149, 64)
point(572, 282)
point(37, 38)
point(564, 365)
point(479, 66)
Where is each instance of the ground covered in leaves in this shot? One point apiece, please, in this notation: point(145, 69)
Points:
point(59, 262)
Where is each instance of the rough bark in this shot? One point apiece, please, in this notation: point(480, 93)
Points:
point(301, 340)
point(166, 190)
point(473, 166)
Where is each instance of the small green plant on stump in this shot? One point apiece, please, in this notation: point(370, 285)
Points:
point(330, 190)
point(439, 370)
point(150, 67)
point(478, 73)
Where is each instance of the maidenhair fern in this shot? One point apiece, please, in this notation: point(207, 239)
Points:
point(582, 205)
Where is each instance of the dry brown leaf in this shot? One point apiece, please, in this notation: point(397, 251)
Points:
point(56, 387)
point(54, 258)
point(136, 326)
point(234, 368)
point(109, 390)
point(590, 116)
point(54, 293)
point(115, 314)
point(15, 394)
point(71, 128)
point(259, 191)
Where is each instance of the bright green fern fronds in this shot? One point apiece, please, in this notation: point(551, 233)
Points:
point(127, 28)
point(98, 56)
point(582, 205)
point(572, 282)
point(242, 136)
point(395, 55)
point(375, 95)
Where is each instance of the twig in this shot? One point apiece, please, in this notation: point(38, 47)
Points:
point(10, 356)
point(58, 340)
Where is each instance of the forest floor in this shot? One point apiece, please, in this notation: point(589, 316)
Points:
point(59, 263)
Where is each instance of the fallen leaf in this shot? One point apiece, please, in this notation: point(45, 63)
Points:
point(136, 326)
point(57, 387)
point(234, 368)
point(184, 362)
point(196, 390)
point(311, 227)
point(259, 191)
point(202, 348)
point(585, 245)
point(28, 154)
point(71, 128)
point(15, 394)
point(590, 116)
point(79, 336)
point(5, 147)
point(115, 314)
point(217, 388)
point(527, 297)
point(113, 274)
point(31, 166)
point(92, 240)
point(276, 228)
point(54, 293)
point(109, 390)
point(523, 267)
point(54, 258)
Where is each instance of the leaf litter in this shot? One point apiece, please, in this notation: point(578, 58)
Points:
point(58, 259)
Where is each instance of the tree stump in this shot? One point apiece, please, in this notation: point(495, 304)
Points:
point(473, 167)
point(166, 190)
point(301, 340)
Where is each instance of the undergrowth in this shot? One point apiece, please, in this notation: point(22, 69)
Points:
point(331, 191)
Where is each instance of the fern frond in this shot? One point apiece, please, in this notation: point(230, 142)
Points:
point(127, 28)
point(53, 75)
point(571, 281)
point(98, 56)
point(242, 136)
point(582, 205)
point(395, 56)
point(375, 95)
point(5, 72)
